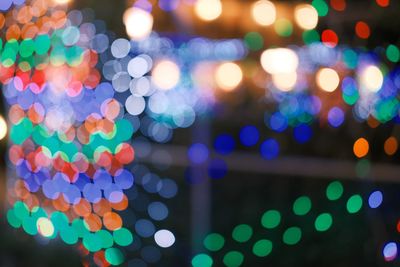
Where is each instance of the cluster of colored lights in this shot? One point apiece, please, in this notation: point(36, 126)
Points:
point(272, 220)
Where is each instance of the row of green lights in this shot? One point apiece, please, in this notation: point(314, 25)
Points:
point(271, 219)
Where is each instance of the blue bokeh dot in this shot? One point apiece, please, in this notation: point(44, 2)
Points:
point(249, 135)
point(269, 149)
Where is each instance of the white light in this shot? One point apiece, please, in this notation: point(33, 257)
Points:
point(166, 74)
point(279, 60)
point(306, 16)
point(285, 81)
point(135, 105)
point(164, 238)
point(138, 23)
point(264, 12)
point(61, 2)
point(3, 128)
point(208, 9)
point(371, 79)
point(228, 76)
point(45, 227)
point(327, 79)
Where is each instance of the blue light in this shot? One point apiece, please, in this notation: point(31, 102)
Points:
point(278, 122)
point(217, 169)
point(335, 117)
point(224, 144)
point(302, 133)
point(270, 149)
point(198, 153)
point(249, 135)
point(375, 199)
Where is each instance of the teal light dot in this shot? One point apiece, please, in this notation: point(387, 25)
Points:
point(334, 191)
point(302, 206)
point(233, 259)
point(29, 225)
point(202, 260)
point(214, 242)
point(114, 256)
point(321, 6)
point(354, 204)
point(68, 235)
point(21, 210)
point(13, 220)
point(92, 242)
point(292, 236)
point(323, 222)
point(350, 58)
point(123, 237)
point(254, 41)
point(79, 227)
point(262, 248)
point(271, 219)
point(310, 37)
point(107, 240)
point(42, 44)
point(393, 53)
point(242, 233)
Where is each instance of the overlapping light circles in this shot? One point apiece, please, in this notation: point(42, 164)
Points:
point(70, 142)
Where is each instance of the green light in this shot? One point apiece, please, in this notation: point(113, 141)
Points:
point(114, 256)
point(292, 236)
point(323, 222)
point(42, 44)
point(283, 27)
point(21, 131)
point(13, 220)
point(29, 226)
point(106, 238)
point(26, 48)
point(202, 260)
point(354, 204)
point(302, 206)
point(123, 237)
point(21, 210)
point(321, 7)
point(92, 242)
point(68, 235)
point(271, 219)
point(393, 53)
point(214, 242)
point(233, 259)
point(242, 233)
point(254, 41)
point(351, 99)
point(334, 191)
point(79, 227)
point(262, 248)
point(310, 37)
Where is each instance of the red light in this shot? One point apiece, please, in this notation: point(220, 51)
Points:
point(330, 38)
point(362, 30)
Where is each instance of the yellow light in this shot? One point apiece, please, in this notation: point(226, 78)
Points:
point(208, 9)
point(371, 79)
point(138, 23)
point(166, 74)
point(228, 76)
point(285, 81)
point(327, 79)
point(61, 2)
point(279, 60)
point(3, 128)
point(45, 227)
point(306, 16)
point(264, 12)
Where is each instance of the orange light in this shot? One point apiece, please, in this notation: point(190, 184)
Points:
point(391, 146)
point(361, 148)
point(383, 3)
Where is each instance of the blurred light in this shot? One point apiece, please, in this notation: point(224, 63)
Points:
point(361, 148)
point(391, 145)
point(249, 135)
point(208, 9)
point(45, 227)
point(285, 81)
point(371, 79)
point(362, 30)
point(335, 117)
point(306, 16)
point(269, 149)
point(327, 79)
point(138, 22)
point(264, 12)
point(329, 38)
point(3, 128)
point(198, 153)
point(224, 144)
point(375, 199)
point(338, 5)
point(302, 133)
point(283, 27)
point(383, 3)
point(164, 238)
point(228, 76)
point(279, 60)
point(62, 2)
point(390, 251)
point(166, 74)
